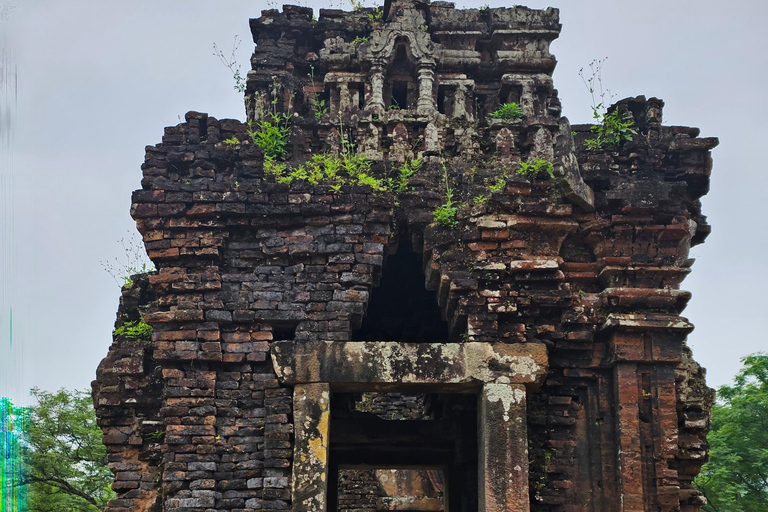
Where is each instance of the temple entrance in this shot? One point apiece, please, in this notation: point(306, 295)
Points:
point(490, 442)
point(393, 451)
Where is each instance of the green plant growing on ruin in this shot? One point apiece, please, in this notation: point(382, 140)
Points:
point(508, 111)
point(136, 330)
point(232, 141)
point(272, 135)
point(375, 16)
point(231, 63)
point(445, 214)
point(479, 200)
point(357, 5)
point(319, 105)
point(360, 39)
point(536, 167)
point(407, 171)
point(612, 129)
point(498, 185)
point(135, 261)
point(273, 129)
point(348, 168)
point(157, 435)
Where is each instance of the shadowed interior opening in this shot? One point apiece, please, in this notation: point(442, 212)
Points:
point(401, 308)
point(407, 456)
point(391, 489)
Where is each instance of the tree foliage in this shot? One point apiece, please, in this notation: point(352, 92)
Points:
point(68, 462)
point(736, 477)
point(14, 422)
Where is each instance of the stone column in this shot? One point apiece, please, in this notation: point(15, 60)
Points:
point(503, 449)
point(311, 426)
point(426, 101)
point(645, 350)
point(630, 450)
point(345, 102)
point(377, 89)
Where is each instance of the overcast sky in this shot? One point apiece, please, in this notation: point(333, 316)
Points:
point(87, 84)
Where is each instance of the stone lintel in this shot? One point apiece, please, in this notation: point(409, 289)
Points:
point(381, 365)
point(647, 322)
point(311, 420)
point(641, 338)
point(502, 449)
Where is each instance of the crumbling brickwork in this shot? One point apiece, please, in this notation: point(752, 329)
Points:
point(539, 325)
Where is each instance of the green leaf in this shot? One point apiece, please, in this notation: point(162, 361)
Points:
point(68, 463)
point(736, 477)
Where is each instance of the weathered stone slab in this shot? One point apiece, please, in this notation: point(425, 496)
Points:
point(502, 449)
point(311, 420)
point(379, 365)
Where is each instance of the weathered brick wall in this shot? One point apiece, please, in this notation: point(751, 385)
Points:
point(588, 263)
point(358, 490)
point(128, 397)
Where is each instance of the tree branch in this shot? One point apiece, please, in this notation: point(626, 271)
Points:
point(64, 486)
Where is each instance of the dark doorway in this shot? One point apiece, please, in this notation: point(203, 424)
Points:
point(401, 308)
point(443, 440)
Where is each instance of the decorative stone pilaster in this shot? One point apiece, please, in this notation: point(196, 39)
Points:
point(376, 102)
point(345, 101)
point(311, 420)
point(426, 103)
point(645, 350)
point(502, 448)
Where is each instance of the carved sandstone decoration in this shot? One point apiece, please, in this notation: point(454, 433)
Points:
point(323, 346)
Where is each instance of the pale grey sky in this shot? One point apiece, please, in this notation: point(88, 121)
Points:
point(97, 81)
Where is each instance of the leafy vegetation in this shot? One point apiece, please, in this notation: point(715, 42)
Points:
point(348, 168)
point(67, 461)
point(135, 261)
point(375, 16)
point(273, 129)
point(231, 63)
point(736, 477)
point(445, 214)
point(612, 129)
point(319, 105)
point(536, 167)
point(498, 185)
point(407, 171)
point(360, 39)
point(136, 330)
point(272, 135)
point(14, 423)
point(508, 111)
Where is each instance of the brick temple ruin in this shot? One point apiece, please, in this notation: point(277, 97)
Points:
point(325, 346)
